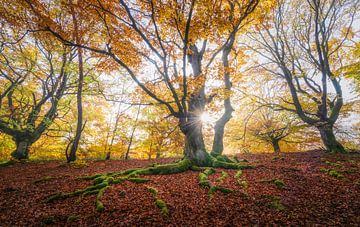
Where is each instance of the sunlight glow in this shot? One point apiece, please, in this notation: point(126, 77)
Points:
point(206, 118)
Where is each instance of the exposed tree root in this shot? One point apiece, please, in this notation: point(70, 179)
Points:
point(204, 182)
point(159, 202)
point(223, 176)
point(7, 163)
point(105, 180)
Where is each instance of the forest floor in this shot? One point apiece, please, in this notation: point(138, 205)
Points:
point(299, 188)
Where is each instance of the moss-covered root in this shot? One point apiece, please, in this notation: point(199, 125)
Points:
point(204, 182)
point(214, 189)
point(162, 206)
point(7, 163)
point(171, 168)
point(159, 202)
point(82, 192)
point(240, 182)
point(154, 169)
point(223, 176)
point(203, 177)
point(99, 205)
point(231, 165)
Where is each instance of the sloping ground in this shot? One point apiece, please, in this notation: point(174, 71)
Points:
point(300, 188)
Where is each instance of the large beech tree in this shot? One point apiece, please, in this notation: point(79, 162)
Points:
point(33, 79)
point(165, 37)
point(303, 45)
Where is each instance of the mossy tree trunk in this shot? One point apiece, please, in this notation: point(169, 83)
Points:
point(329, 140)
point(22, 148)
point(195, 147)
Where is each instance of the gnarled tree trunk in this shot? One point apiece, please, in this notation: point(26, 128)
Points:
point(329, 140)
point(194, 143)
point(22, 148)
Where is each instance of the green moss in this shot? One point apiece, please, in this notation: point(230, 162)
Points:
point(334, 173)
point(99, 205)
point(279, 183)
point(333, 164)
point(152, 190)
point(238, 174)
point(79, 164)
point(324, 170)
point(7, 163)
point(223, 158)
point(119, 180)
point(271, 201)
point(275, 203)
point(222, 189)
point(351, 170)
point(243, 183)
point(208, 171)
point(227, 165)
point(171, 168)
point(55, 197)
point(96, 191)
point(162, 206)
point(138, 180)
point(44, 179)
point(203, 177)
point(203, 180)
point(73, 218)
point(235, 159)
point(196, 168)
point(98, 186)
point(223, 176)
point(214, 189)
point(100, 179)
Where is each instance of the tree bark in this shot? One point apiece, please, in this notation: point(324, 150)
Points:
point(132, 134)
point(218, 143)
point(22, 149)
point(190, 123)
point(194, 143)
point(275, 144)
point(329, 140)
point(79, 126)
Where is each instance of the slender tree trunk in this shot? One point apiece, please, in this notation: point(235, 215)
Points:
point(329, 140)
point(132, 135)
point(79, 126)
point(108, 156)
point(218, 143)
point(158, 153)
point(275, 144)
point(22, 149)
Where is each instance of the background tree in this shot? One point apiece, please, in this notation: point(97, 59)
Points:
point(303, 46)
point(34, 74)
point(272, 127)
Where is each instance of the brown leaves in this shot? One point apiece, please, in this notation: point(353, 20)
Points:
point(310, 196)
